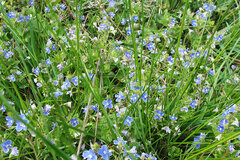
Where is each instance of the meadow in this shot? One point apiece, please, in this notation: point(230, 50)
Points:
point(119, 79)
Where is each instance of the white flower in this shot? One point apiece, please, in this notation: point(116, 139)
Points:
point(32, 133)
point(236, 123)
point(215, 110)
point(73, 157)
point(15, 151)
point(69, 104)
point(167, 129)
point(219, 137)
point(33, 106)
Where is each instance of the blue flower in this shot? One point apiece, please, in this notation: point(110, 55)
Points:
point(144, 97)
point(164, 32)
point(60, 67)
point(231, 148)
point(210, 71)
point(132, 85)
point(111, 14)
point(9, 121)
point(107, 104)
point(103, 151)
point(150, 46)
point(121, 111)
point(112, 3)
point(54, 125)
point(47, 109)
point(3, 108)
point(198, 140)
point(161, 89)
point(225, 113)
point(233, 67)
point(39, 85)
point(18, 72)
point(129, 32)
point(198, 80)
point(54, 47)
point(90, 75)
point(94, 107)
point(198, 54)
point(31, 3)
point(27, 18)
point(135, 18)
point(48, 62)
point(173, 118)
point(206, 6)
point(220, 129)
point(75, 80)
point(11, 15)
point(49, 140)
point(119, 96)
point(194, 23)
point(6, 146)
point(8, 54)
point(131, 75)
point(85, 109)
point(89, 155)
point(11, 78)
point(58, 93)
point(133, 151)
point(128, 55)
point(66, 85)
point(220, 38)
point(204, 16)
point(21, 126)
point(123, 22)
point(192, 55)
point(223, 122)
point(105, 17)
point(36, 71)
point(209, 8)
point(21, 19)
point(184, 109)
point(47, 9)
point(232, 108)
point(116, 48)
point(170, 60)
point(206, 90)
point(172, 23)
point(178, 83)
point(55, 82)
point(151, 157)
point(47, 50)
point(120, 142)
point(134, 98)
point(144, 42)
point(103, 26)
point(62, 6)
point(128, 121)
point(82, 17)
point(193, 104)
point(74, 122)
point(158, 114)
point(151, 38)
point(186, 64)
point(15, 151)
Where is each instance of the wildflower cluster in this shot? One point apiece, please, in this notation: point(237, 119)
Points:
point(115, 80)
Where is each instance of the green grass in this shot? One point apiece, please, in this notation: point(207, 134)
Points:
point(94, 50)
